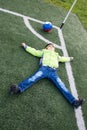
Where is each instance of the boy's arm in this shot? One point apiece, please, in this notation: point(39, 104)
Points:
point(32, 51)
point(65, 59)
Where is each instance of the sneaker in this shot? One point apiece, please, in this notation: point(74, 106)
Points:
point(14, 89)
point(78, 103)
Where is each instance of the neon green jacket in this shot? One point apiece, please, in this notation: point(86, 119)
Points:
point(49, 58)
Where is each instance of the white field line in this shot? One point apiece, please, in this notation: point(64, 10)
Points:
point(20, 15)
point(26, 18)
point(28, 25)
point(78, 112)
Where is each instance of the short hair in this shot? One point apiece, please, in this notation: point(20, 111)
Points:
point(49, 44)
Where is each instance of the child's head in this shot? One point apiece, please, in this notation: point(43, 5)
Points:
point(50, 46)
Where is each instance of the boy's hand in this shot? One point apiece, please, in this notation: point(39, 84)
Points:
point(24, 45)
point(71, 58)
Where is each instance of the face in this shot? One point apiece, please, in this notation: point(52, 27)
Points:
point(50, 47)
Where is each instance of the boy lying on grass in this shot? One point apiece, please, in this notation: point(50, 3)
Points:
point(49, 62)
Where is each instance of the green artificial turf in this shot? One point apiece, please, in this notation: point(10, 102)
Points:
point(41, 107)
point(80, 9)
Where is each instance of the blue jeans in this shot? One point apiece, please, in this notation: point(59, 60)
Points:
point(50, 73)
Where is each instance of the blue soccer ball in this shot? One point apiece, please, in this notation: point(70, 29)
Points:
point(47, 26)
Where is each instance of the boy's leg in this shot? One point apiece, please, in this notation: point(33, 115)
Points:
point(61, 86)
point(22, 86)
point(31, 80)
